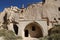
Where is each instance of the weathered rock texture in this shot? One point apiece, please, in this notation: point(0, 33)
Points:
point(46, 14)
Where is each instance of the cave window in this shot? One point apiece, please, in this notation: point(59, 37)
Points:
point(55, 0)
point(54, 18)
point(21, 11)
point(33, 28)
point(26, 33)
point(59, 8)
point(5, 18)
point(15, 27)
point(43, 1)
point(58, 18)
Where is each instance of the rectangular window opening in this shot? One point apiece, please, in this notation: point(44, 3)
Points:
point(58, 18)
point(33, 28)
point(59, 8)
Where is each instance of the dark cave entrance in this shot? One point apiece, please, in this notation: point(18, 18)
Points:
point(15, 29)
point(26, 33)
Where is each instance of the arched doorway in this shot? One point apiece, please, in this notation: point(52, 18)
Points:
point(34, 30)
point(15, 27)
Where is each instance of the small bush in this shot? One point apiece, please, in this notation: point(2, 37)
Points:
point(54, 34)
point(43, 38)
point(8, 35)
point(51, 37)
point(54, 37)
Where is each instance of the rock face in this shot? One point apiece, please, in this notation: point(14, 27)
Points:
point(1, 38)
point(45, 14)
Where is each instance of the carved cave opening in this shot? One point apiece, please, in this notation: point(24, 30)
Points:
point(26, 33)
point(15, 29)
point(34, 30)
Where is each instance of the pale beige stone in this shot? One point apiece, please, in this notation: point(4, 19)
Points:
point(37, 12)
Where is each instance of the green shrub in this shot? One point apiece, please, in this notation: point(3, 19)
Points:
point(8, 35)
point(51, 37)
point(54, 34)
point(54, 37)
point(43, 38)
